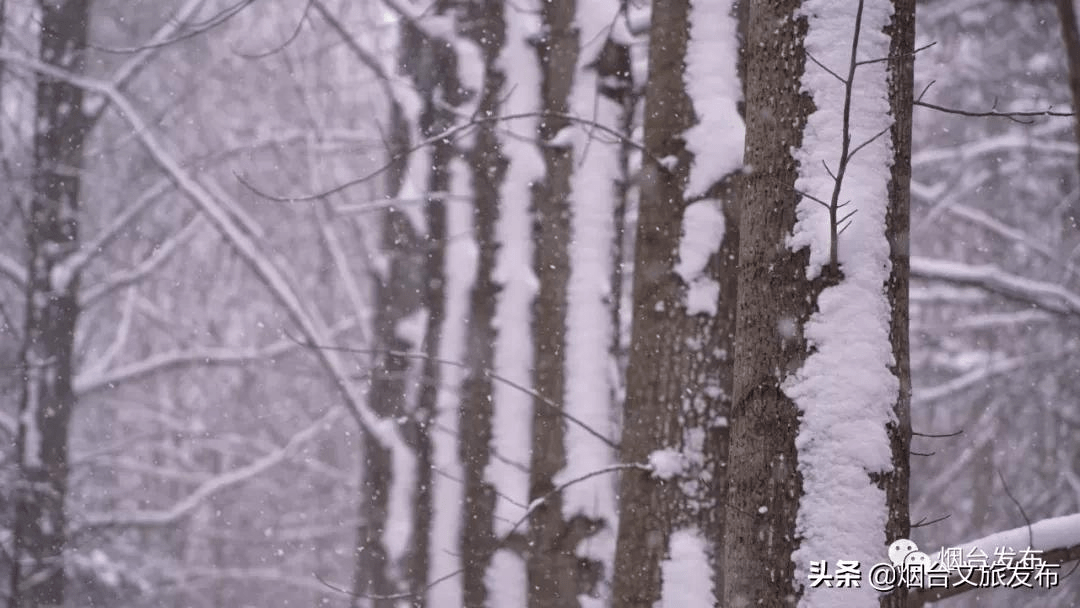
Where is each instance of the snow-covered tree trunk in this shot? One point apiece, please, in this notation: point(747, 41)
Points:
point(820, 410)
point(411, 298)
point(52, 309)
point(487, 166)
point(550, 559)
point(679, 375)
point(398, 305)
point(590, 510)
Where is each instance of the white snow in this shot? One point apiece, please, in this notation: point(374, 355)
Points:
point(716, 142)
point(447, 492)
point(667, 464)
point(589, 323)
point(1044, 535)
point(702, 236)
point(512, 415)
point(397, 535)
point(565, 138)
point(507, 581)
point(29, 418)
point(687, 575)
point(712, 81)
point(412, 328)
point(845, 390)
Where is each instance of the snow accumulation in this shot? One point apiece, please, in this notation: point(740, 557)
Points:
point(512, 416)
point(713, 83)
point(716, 142)
point(667, 464)
point(845, 389)
point(589, 325)
point(507, 579)
point(702, 236)
point(447, 491)
point(402, 496)
point(687, 575)
point(1044, 535)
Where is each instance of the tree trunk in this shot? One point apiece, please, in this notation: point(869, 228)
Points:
point(46, 401)
point(488, 167)
point(820, 410)
point(679, 375)
point(551, 562)
point(1070, 36)
point(397, 296)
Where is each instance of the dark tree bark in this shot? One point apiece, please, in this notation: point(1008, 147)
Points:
point(679, 373)
point(550, 562)
point(1070, 35)
point(488, 166)
point(52, 310)
point(901, 74)
point(397, 295)
point(415, 280)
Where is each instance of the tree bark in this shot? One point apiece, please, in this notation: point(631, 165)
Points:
point(679, 373)
point(550, 562)
point(488, 168)
point(52, 310)
point(1070, 36)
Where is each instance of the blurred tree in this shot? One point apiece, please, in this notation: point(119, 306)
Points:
point(52, 310)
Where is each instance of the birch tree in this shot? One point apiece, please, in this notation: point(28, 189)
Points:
point(52, 310)
point(679, 374)
point(820, 410)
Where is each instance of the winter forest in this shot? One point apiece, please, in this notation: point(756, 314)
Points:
point(537, 303)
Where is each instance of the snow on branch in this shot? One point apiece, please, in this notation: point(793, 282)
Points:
point(13, 270)
point(1048, 296)
point(63, 272)
point(94, 380)
point(240, 232)
point(125, 278)
point(1057, 538)
point(1008, 142)
point(217, 484)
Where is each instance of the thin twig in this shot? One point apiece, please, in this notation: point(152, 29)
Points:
point(922, 523)
point(993, 113)
point(811, 57)
point(956, 434)
point(533, 506)
point(279, 47)
point(1027, 521)
point(487, 372)
point(454, 131)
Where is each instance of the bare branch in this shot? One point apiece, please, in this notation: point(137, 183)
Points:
point(487, 372)
point(450, 133)
point(533, 506)
point(13, 270)
point(196, 28)
point(811, 57)
point(215, 485)
point(131, 276)
point(1048, 296)
point(901, 55)
point(278, 47)
point(993, 113)
point(241, 233)
point(922, 523)
point(937, 436)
